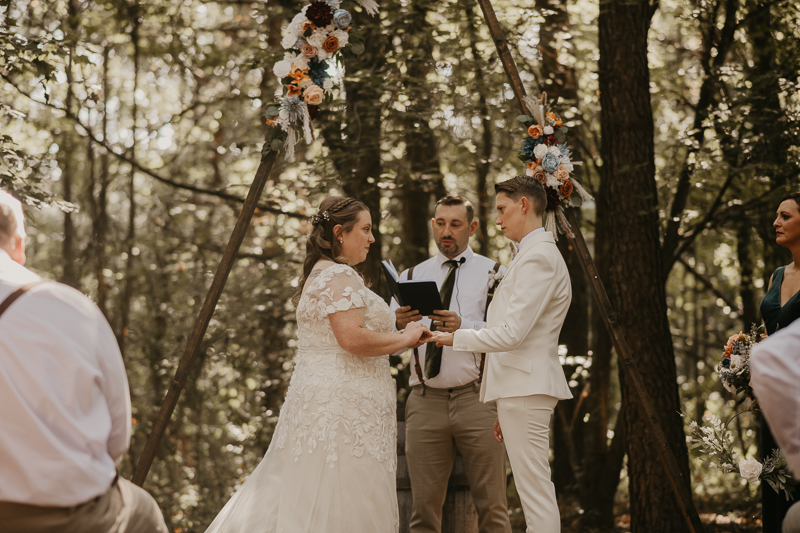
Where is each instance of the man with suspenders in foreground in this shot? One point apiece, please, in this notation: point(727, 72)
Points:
point(443, 411)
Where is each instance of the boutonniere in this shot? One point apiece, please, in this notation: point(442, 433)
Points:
point(495, 278)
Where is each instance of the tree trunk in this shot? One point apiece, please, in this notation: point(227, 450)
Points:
point(69, 275)
point(628, 200)
point(483, 161)
point(424, 178)
point(129, 240)
point(356, 150)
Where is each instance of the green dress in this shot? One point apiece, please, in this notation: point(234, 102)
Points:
point(774, 506)
point(777, 317)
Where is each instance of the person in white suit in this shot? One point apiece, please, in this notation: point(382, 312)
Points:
point(523, 372)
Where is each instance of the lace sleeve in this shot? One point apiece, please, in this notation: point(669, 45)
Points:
point(338, 288)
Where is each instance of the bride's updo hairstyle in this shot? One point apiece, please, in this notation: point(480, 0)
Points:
point(322, 243)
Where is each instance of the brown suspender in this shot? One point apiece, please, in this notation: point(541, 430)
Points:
point(489, 297)
point(16, 294)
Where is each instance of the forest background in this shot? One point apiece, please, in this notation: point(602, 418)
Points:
point(133, 129)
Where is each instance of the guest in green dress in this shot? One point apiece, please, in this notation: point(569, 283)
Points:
point(779, 308)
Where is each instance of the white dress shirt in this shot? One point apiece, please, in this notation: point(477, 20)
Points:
point(469, 301)
point(775, 378)
point(65, 412)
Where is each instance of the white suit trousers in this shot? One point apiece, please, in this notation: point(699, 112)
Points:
point(525, 422)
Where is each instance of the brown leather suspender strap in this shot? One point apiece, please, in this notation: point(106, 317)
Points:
point(417, 368)
point(16, 294)
point(489, 297)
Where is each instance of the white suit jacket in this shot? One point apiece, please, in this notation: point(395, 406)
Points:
point(523, 324)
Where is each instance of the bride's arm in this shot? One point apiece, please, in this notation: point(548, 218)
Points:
point(348, 327)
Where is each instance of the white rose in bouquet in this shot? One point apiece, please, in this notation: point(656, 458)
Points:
point(281, 69)
point(343, 37)
point(750, 469)
point(289, 40)
point(540, 151)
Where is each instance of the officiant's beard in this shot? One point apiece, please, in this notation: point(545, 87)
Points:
point(450, 250)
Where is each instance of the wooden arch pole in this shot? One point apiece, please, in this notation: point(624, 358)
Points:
point(203, 319)
point(680, 486)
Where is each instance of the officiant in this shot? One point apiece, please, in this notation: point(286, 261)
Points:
point(443, 411)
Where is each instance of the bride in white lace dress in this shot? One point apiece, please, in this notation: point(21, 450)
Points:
point(330, 467)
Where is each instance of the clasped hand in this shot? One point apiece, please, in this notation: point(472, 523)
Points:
point(417, 334)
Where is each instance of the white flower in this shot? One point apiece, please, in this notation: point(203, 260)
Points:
point(327, 84)
point(282, 69)
point(289, 40)
point(555, 150)
point(727, 467)
point(495, 277)
point(712, 464)
point(300, 62)
point(343, 37)
point(305, 83)
point(317, 39)
point(540, 151)
point(548, 130)
point(693, 424)
point(750, 469)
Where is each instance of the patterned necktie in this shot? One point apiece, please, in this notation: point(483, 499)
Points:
point(433, 353)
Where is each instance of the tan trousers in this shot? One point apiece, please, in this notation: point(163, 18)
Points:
point(437, 423)
point(525, 422)
point(124, 508)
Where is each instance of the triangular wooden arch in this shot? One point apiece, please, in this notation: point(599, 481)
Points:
point(680, 486)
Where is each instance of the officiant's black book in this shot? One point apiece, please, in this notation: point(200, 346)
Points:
point(422, 295)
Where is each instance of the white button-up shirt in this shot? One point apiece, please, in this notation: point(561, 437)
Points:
point(469, 301)
point(65, 412)
point(775, 378)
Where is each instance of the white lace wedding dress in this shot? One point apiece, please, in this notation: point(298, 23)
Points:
point(330, 467)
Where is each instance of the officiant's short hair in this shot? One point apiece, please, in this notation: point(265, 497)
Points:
point(527, 186)
point(454, 199)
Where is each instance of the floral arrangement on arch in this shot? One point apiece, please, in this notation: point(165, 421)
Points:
point(547, 157)
point(314, 38)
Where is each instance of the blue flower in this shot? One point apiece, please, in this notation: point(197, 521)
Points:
point(342, 18)
point(317, 71)
point(528, 146)
point(564, 149)
point(550, 162)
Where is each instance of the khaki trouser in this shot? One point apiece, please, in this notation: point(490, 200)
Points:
point(437, 423)
point(124, 508)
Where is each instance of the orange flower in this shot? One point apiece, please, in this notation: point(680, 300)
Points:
point(331, 44)
point(270, 121)
point(307, 25)
point(298, 75)
point(535, 131)
point(566, 189)
point(552, 116)
point(539, 175)
point(532, 165)
point(294, 90)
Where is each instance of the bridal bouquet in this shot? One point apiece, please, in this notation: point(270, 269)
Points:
point(547, 157)
point(715, 442)
point(734, 368)
point(313, 39)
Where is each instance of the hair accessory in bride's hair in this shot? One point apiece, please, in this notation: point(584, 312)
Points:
point(320, 217)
